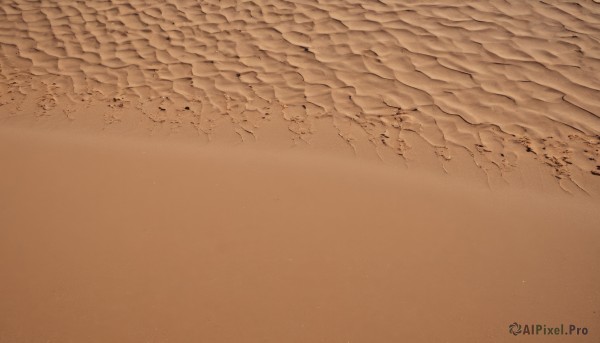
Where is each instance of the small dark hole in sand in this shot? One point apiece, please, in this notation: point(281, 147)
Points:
point(187, 108)
point(529, 149)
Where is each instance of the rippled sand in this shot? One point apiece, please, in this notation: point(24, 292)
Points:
point(273, 171)
point(502, 81)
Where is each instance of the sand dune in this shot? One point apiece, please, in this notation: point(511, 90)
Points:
point(502, 81)
point(120, 239)
point(298, 171)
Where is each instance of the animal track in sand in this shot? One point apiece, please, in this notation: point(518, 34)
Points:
point(471, 75)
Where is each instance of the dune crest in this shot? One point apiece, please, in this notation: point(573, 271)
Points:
point(502, 81)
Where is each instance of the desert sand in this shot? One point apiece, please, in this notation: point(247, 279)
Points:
point(298, 171)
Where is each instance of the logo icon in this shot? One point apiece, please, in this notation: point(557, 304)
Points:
point(514, 328)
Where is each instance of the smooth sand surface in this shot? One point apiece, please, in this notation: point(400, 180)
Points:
point(112, 240)
point(298, 171)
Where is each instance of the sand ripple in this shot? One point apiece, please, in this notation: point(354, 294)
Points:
point(493, 78)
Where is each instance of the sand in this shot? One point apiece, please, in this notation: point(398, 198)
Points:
point(307, 171)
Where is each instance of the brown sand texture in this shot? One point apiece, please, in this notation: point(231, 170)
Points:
point(495, 81)
point(298, 171)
